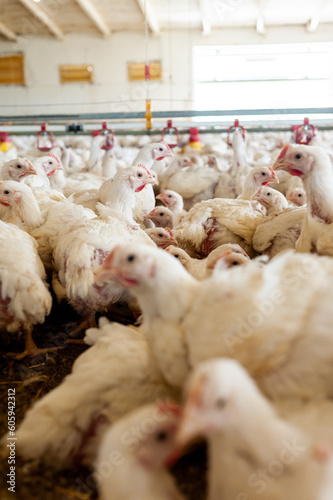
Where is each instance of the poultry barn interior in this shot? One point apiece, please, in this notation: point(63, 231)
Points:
point(166, 236)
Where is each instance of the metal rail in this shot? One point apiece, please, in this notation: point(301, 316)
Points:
point(166, 114)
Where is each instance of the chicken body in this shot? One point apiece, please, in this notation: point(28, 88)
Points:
point(218, 317)
point(313, 166)
point(142, 458)
point(24, 298)
point(283, 460)
point(113, 377)
point(216, 222)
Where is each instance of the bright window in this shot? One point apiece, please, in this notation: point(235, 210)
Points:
point(263, 76)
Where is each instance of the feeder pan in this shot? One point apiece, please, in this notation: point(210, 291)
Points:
point(44, 134)
point(235, 127)
point(168, 129)
point(109, 139)
point(304, 133)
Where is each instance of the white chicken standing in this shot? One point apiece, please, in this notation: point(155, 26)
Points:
point(313, 165)
point(141, 457)
point(230, 183)
point(145, 201)
point(24, 296)
point(82, 247)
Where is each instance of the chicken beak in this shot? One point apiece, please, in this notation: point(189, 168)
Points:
point(30, 171)
point(4, 202)
point(160, 197)
point(173, 242)
point(273, 178)
point(151, 180)
point(211, 265)
point(106, 272)
point(281, 162)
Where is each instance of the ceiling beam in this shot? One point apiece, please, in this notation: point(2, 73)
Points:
point(315, 19)
point(146, 9)
point(7, 33)
point(94, 16)
point(206, 26)
point(39, 14)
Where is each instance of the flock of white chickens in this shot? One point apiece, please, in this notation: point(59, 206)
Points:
point(229, 279)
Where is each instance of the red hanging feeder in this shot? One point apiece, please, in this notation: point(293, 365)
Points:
point(109, 136)
point(235, 127)
point(168, 129)
point(46, 135)
point(304, 133)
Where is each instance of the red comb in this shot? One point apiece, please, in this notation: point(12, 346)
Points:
point(284, 151)
point(166, 145)
point(169, 231)
point(55, 157)
point(169, 407)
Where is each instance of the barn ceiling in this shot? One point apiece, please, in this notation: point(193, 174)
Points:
point(57, 18)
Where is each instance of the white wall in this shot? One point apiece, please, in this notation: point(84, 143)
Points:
point(109, 58)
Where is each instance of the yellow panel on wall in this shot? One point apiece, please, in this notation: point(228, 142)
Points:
point(76, 73)
point(136, 71)
point(12, 70)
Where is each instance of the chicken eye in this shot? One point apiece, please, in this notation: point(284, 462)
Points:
point(300, 195)
point(161, 214)
point(298, 156)
point(161, 149)
point(130, 258)
point(263, 173)
point(18, 166)
point(235, 263)
point(161, 436)
point(160, 235)
point(268, 194)
point(6, 191)
point(139, 175)
point(220, 403)
point(169, 195)
point(176, 255)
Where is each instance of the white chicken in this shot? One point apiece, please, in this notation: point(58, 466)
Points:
point(279, 232)
point(257, 177)
point(202, 268)
point(272, 200)
point(162, 237)
point(230, 183)
point(194, 184)
point(145, 201)
point(218, 317)
point(17, 169)
point(113, 377)
point(160, 217)
point(297, 197)
point(313, 165)
point(283, 460)
point(142, 457)
point(82, 247)
point(24, 296)
point(216, 222)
